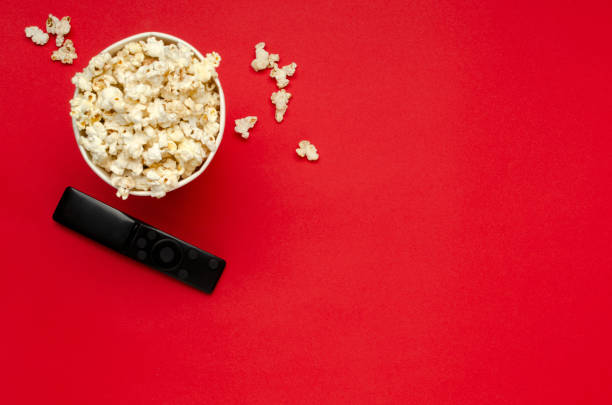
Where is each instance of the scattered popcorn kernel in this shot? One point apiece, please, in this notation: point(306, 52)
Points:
point(307, 149)
point(37, 35)
point(244, 124)
point(281, 74)
point(66, 54)
point(263, 59)
point(58, 27)
point(148, 114)
point(280, 99)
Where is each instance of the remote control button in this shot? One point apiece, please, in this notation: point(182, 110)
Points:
point(151, 235)
point(141, 243)
point(141, 255)
point(167, 254)
point(192, 254)
point(213, 264)
point(183, 274)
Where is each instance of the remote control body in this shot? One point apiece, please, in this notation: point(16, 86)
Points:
point(138, 240)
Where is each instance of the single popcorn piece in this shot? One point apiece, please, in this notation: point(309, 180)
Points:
point(82, 81)
point(263, 59)
point(111, 98)
point(58, 27)
point(308, 150)
point(213, 58)
point(123, 184)
point(244, 124)
point(280, 99)
point(148, 114)
point(66, 54)
point(281, 74)
point(37, 35)
point(152, 155)
point(153, 47)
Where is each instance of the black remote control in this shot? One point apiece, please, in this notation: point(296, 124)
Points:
point(138, 240)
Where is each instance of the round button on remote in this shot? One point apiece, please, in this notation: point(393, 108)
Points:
point(151, 235)
point(141, 255)
point(141, 243)
point(213, 264)
point(192, 254)
point(182, 274)
point(167, 254)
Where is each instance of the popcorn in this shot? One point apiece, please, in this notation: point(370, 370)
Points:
point(148, 115)
point(132, 48)
point(214, 58)
point(263, 59)
point(153, 47)
point(210, 142)
point(211, 114)
point(244, 124)
point(66, 54)
point(94, 142)
point(307, 149)
point(96, 64)
point(111, 98)
point(152, 155)
point(280, 99)
point(58, 27)
point(123, 185)
point(134, 145)
point(82, 81)
point(189, 150)
point(281, 74)
point(37, 35)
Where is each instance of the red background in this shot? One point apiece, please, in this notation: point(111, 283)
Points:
point(451, 245)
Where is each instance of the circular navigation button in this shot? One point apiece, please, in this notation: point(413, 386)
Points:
point(141, 255)
point(192, 254)
point(183, 274)
point(167, 254)
point(141, 243)
point(213, 264)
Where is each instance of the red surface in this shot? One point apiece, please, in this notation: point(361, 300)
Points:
point(451, 246)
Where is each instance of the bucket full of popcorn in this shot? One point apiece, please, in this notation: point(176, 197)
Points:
point(148, 113)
